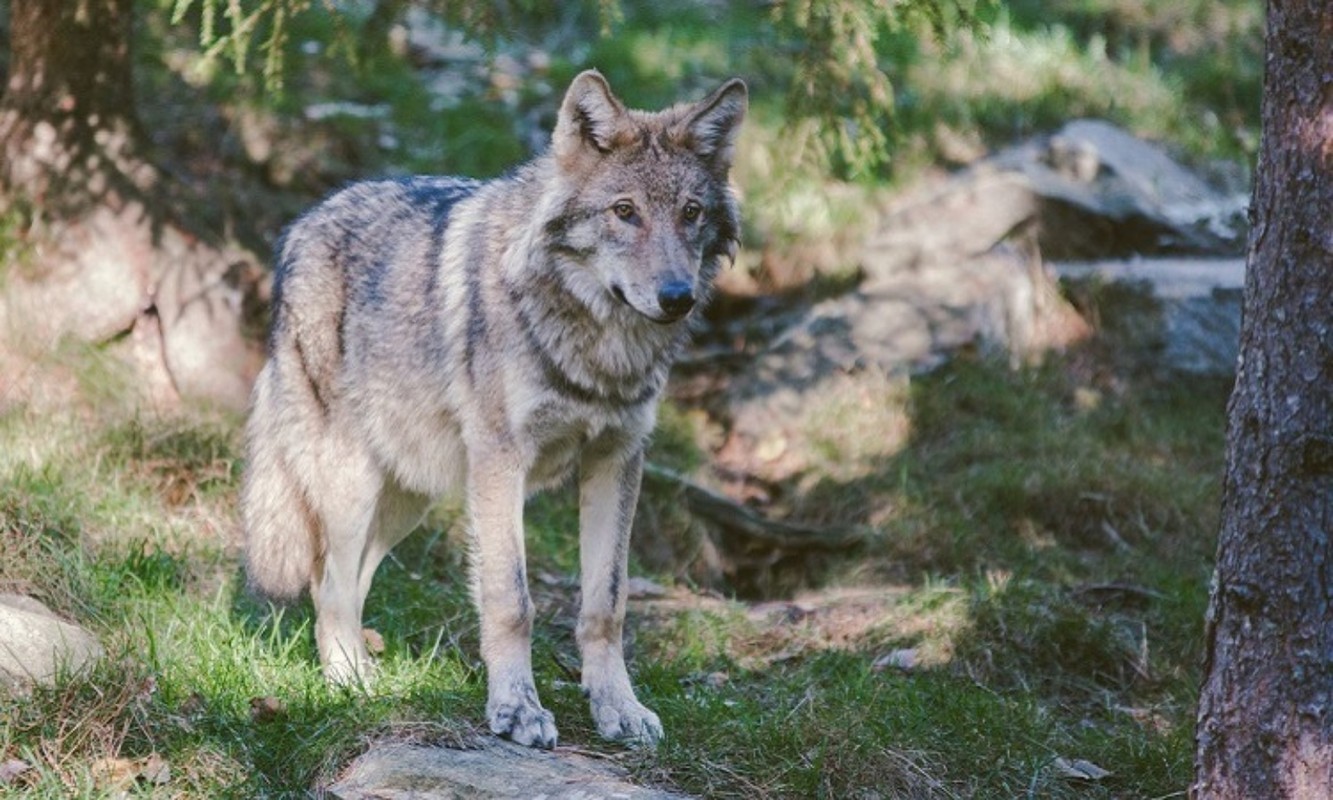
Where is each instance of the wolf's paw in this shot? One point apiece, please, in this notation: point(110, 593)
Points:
point(625, 719)
point(352, 673)
point(524, 721)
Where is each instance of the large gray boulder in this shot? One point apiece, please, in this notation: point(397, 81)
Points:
point(36, 645)
point(494, 769)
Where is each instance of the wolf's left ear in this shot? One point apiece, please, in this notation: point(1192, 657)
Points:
point(591, 119)
point(711, 126)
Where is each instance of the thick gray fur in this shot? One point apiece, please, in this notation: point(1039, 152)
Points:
point(438, 337)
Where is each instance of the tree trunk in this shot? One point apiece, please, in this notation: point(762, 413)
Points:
point(109, 256)
point(1265, 725)
point(69, 103)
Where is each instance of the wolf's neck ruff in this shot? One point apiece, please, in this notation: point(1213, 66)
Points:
point(584, 363)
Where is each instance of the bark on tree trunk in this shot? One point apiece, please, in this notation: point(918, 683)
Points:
point(69, 102)
point(111, 258)
point(1265, 724)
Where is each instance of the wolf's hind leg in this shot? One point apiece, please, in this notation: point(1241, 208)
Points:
point(608, 493)
point(397, 514)
point(500, 586)
point(346, 496)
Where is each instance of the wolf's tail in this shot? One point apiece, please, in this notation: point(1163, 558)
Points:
point(282, 533)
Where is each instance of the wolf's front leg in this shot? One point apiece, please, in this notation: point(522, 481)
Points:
point(500, 586)
point(608, 494)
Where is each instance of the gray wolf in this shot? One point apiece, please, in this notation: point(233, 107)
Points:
point(484, 340)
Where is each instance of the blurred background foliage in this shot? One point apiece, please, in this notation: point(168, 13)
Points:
point(865, 89)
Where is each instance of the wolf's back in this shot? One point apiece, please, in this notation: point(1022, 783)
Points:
point(330, 265)
point(341, 252)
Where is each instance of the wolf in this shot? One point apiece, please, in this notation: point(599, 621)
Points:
point(443, 337)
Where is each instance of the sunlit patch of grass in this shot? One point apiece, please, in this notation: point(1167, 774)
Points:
point(1018, 78)
point(186, 671)
point(854, 426)
point(697, 639)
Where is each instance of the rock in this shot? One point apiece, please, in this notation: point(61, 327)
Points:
point(848, 357)
point(1089, 191)
point(36, 645)
point(92, 284)
point(1158, 184)
point(202, 304)
point(904, 659)
point(11, 770)
point(964, 264)
point(174, 307)
point(496, 769)
point(1098, 191)
point(425, 39)
point(642, 589)
point(1079, 769)
point(1194, 325)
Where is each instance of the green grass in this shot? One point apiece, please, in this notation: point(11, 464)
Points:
point(1037, 637)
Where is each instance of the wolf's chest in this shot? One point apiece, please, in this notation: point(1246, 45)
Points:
point(559, 435)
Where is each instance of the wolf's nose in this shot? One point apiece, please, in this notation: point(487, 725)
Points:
point(676, 298)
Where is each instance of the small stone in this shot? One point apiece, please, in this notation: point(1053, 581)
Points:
point(11, 770)
point(36, 645)
point(154, 769)
point(114, 775)
point(644, 589)
point(1080, 769)
point(771, 447)
point(903, 659)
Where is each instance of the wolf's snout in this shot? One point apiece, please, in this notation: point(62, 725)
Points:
point(676, 298)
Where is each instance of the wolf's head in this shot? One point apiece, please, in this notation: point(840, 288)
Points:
point(648, 212)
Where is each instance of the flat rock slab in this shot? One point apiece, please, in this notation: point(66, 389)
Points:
point(497, 769)
point(1169, 278)
point(35, 644)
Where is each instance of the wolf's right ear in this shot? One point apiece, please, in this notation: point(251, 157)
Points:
point(713, 124)
point(591, 118)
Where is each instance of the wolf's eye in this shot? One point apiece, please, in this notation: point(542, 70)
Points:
point(623, 209)
point(691, 211)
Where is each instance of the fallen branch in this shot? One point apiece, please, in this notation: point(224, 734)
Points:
point(732, 517)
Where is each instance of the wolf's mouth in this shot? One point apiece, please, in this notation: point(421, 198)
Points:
point(619, 294)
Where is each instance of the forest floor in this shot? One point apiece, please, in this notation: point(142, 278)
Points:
point(1023, 616)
